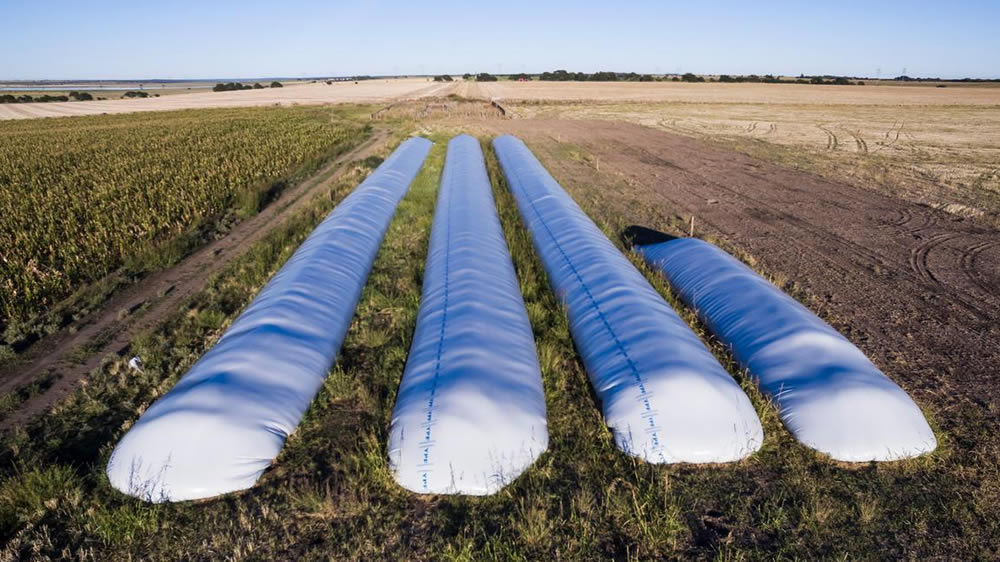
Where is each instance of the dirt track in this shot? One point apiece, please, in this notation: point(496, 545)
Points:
point(917, 289)
point(158, 296)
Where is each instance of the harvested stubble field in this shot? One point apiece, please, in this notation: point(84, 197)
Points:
point(915, 287)
point(937, 146)
point(364, 91)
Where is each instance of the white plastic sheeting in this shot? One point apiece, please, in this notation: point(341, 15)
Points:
point(226, 420)
point(664, 396)
point(470, 413)
point(829, 394)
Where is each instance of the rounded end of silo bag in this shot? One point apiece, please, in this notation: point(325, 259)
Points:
point(464, 455)
point(189, 456)
point(690, 418)
point(861, 423)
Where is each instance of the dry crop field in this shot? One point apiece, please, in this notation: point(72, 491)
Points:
point(365, 91)
point(939, 146)
point(876, 207)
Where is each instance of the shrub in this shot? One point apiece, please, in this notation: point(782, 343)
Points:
point(558, 76)
point(443, 78)
point(689, 77)
point(276, 84)
point(231, 86)
point(485, 77)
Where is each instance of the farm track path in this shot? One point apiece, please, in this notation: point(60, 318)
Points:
point(916, 288)
point(158, 295)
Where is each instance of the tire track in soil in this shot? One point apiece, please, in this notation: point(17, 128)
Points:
point(918, 258)
point(162, 293)
point(970, 255)
point(831, 139)
point(858, 141)
point(919, 253)
point(927, 220)
point(891, 136)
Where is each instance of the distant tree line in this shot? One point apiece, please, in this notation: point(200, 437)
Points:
point(485, 77)
point(802, 79)
point(235, 86)
point(608, 76)
point(603, 76)
point(73, 96)
point(231, 87)
point(443, 78)
point(905, 78)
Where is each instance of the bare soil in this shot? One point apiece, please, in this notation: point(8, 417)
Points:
point(147, 303)
point(917, 289)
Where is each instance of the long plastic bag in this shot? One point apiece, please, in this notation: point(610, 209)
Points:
point(664, 396)
point(830, 396)
point(226, 420)
point(470, 413)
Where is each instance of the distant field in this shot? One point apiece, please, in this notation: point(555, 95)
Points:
point(738, 93)
point(365, 91)
point(115, 90)
point(936, 146)
point(81, 197)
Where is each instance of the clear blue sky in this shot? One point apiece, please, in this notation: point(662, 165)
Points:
point(217, 39)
